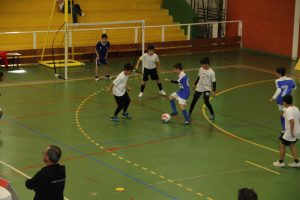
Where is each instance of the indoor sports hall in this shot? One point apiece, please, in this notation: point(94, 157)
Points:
point(50, 96)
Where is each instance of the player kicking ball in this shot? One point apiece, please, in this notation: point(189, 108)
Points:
point(206, 85)
point(102, 48)
point(119, 89)
point(284, 86)
point(291, 133)
point(151, 66)
point(182, 94)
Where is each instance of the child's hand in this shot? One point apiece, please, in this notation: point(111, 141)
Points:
point(213, 93)
point(128, 88)
point(107, 89)
point(271, 100)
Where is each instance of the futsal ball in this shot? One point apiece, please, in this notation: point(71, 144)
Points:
point(165, 117)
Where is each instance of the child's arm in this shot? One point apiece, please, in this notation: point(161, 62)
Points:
point(276, 94)
point(128, 88)
point(292, 124)
point(158, 66)
point(109, 88)
point(137, 64)
point(98, 57)
point(171, 81)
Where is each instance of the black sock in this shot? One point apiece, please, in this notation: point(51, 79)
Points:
point(159, 86)
point(143, 88)
point(296, 160)
point(281, 161)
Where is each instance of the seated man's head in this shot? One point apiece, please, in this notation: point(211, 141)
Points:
point(247, 194)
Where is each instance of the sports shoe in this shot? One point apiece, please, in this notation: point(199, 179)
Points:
point(126, 116)
point(212, 117)
point(174, 113)
point(141, 94)
point(163, 93)
point(294, 164)
point(278, 164)
point(96, 78)
point(186, 123)
point(114, 118)
point(107, 76)
point(82, 14)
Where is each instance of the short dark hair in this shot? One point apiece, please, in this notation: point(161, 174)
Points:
point(288, 99)
point(128, 67)
point(247, 194)
point(204, 61)
point(150, 47)
point(54, 153)
point(281, 70)
point(104, 35)
point(178, 66)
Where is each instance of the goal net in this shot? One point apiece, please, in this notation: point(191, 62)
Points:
point(73, 49)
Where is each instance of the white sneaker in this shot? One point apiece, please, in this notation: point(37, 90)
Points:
point(141, 94)
point(296, 165)
point(163, 93)
point(278, 164)
point(82, 14)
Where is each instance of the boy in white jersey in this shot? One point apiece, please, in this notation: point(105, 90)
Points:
point(119, 89)
point(284, 86)
point(205, 83)
point(151, 66)
point(291, 133)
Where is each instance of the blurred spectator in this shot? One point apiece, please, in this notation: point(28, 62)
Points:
point(76, 10)
point(49, 182)
point(3, 56)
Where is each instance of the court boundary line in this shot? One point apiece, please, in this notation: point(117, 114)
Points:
point(262, 167)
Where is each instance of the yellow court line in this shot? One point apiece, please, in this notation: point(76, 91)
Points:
point(231, 134)
point(262, 167)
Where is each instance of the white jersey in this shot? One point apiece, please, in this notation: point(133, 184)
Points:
point(149, 61)
point(206, 77)
point(291, 113)
point(120, 83)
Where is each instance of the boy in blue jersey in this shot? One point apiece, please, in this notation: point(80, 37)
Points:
point(284, 86)
point(102, 48)
point(182, 94)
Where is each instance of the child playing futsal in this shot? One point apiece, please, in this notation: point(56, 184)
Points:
point(182, 94)
point(119, 89)
point(151, 66)
point(205, 83)
point(102, 48)
point(292, 132)
point(284, 86)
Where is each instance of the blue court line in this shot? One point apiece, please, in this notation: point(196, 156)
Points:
point(35, 132)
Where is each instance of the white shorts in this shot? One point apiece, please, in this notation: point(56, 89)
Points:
point(280, 107)
point(180, 100)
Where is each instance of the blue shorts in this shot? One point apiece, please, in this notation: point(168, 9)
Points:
point(101, 62)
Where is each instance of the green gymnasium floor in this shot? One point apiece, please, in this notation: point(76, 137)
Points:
point(151, 160)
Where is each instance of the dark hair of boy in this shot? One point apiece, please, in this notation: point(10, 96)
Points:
point(104, 36)
point(288, 99)
point(150, 47)
point(178, 66)
point(204, 61)
point(128, 67)
point(54, 153)
point(247, 194)
point(281, 71)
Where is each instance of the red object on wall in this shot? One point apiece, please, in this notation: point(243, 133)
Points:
point(267, 25)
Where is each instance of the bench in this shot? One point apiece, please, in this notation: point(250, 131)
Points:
point(13, 56)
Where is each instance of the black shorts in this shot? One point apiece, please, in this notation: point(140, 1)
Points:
point(286, 142)
point(152, 72)
point(101, 62)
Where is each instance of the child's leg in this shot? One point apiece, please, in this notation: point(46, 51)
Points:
point(143, 85)
point(97, 69)
point(282, 121)
point(184, 112)
point(172, 98)
point(281, 152)
point(126, 101)
point(120, 104)
point(194, 101)
point(106, 70)
point(159, 85)
point(206, 96)
point(294, 152)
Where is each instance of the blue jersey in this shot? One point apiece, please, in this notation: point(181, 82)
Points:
point(102, 49)
point(184, 88)
point(284, 86)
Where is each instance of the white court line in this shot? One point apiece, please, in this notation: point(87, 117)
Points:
point(19, 172)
